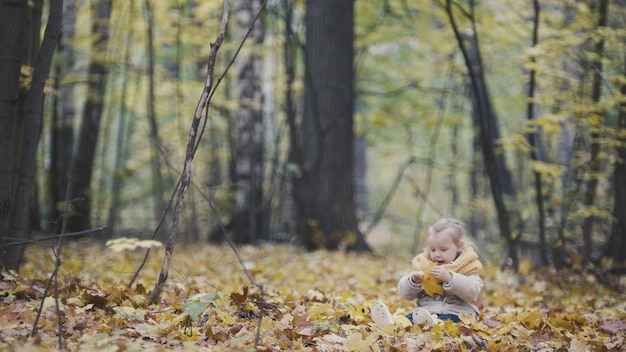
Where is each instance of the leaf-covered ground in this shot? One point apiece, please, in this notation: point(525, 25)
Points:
point(310, 302)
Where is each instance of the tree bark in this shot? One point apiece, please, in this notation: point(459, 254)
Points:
point(500, 180)
point(13, 23)
point(62, 125)
point(615, 247)
point(155, 161)
point(123, 134)
point(596, 137)
point(324, 192)
point(288, 215)
point(83, 161)
point(249, 155)
point(532, 141)
point(26, 149)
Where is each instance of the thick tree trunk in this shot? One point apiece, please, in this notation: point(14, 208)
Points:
point(324, 192)
point(31, 49)
point(82, 166)
point(27, 137)
point(13, 24)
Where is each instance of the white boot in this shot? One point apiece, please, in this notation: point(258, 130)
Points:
point(421, 316)
point(381, 315)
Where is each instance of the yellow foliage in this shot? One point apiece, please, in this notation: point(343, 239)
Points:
point(560, 311)
point(525, 267)
point(124, 243)
point(356, 341)
point(532, 319)
point(320, 311)
point(402, 321)
point(430, 284)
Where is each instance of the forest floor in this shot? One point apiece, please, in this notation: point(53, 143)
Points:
point(309, 301)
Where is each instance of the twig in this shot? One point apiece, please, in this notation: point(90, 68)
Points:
point(417, 189)
point(52, 237)
point(35, 99)
point(394, 187)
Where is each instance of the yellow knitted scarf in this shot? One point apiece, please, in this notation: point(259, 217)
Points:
point(467, 263)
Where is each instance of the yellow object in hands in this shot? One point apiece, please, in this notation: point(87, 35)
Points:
point(430, 284)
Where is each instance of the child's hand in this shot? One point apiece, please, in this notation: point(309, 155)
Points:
point(441, 274)
point(417, 276)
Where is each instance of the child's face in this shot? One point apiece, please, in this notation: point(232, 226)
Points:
point(442, 249)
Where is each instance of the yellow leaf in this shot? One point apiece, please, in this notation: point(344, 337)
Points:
point(402, 321)
point(124, 243)
point(357, 313)
point(320, 311)
point(430, 284)
point(532, 319)
point(525, 267)
point(356, 342)
point(225, 317)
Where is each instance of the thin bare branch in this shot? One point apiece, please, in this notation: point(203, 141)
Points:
point(203, 104)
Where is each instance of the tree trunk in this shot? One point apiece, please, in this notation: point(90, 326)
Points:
point(616, 245)
point(532, 141)
point(287, 213)
point(157, 177)
point(82, 166)
point(500, 180)
point(324, 191)
point(62, 125)
point(27, 140)
point(13, 25)
point(31, 49)
point(596, 137)
point(123, 134)
point(249, 161)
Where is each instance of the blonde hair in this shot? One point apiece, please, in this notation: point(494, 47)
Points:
point(455, 229)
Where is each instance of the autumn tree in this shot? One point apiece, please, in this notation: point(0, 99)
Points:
point(324, 191)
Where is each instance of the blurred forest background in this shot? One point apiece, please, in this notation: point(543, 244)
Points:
point(335, 124)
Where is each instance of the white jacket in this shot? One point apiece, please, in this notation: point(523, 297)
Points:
point(459, 295)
